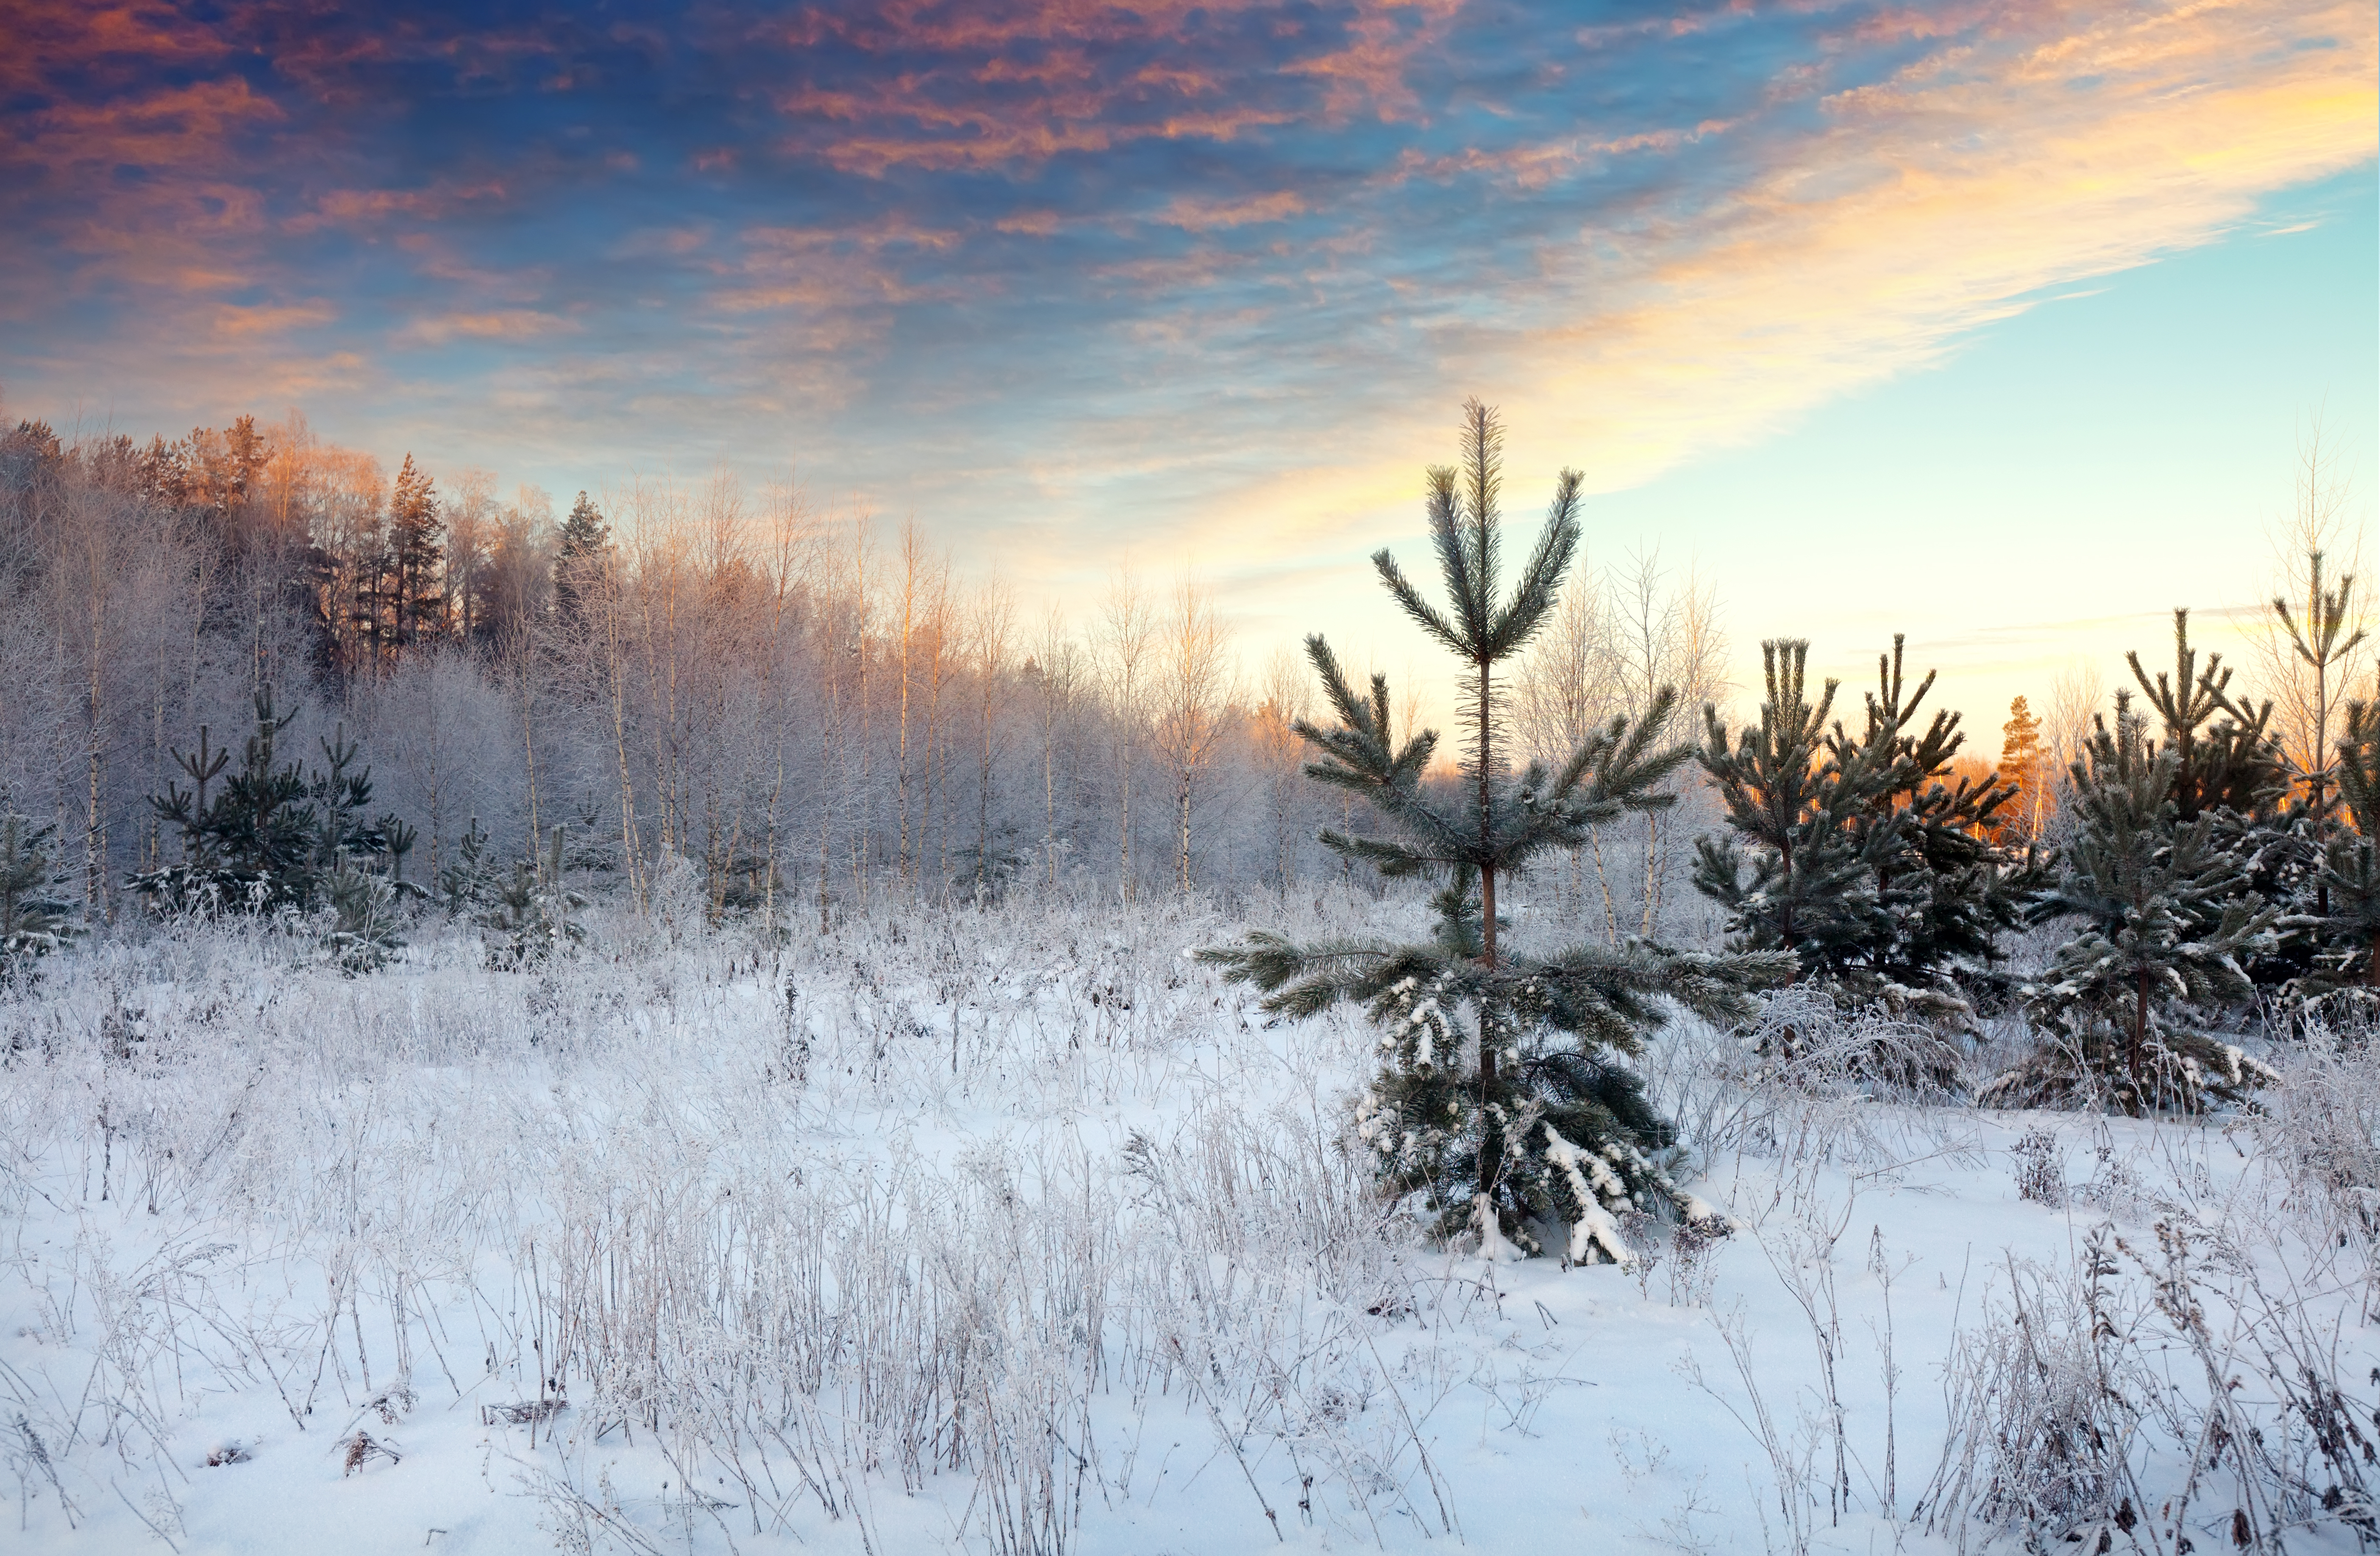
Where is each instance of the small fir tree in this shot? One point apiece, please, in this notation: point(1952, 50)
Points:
point(1503, 1103)
point(33, 922)
point(2166, 921)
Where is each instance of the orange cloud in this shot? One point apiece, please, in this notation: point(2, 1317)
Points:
point(235, 323)
point(1202, 215)
point(1933, 202)
point(505, 325)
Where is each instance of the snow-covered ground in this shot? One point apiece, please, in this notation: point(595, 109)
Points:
point(1020, 1233)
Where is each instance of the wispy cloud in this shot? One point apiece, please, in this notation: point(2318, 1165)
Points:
point(1121, 274)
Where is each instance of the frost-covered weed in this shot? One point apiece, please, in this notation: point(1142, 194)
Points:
point(604, 1204)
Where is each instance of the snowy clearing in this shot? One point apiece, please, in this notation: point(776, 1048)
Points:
point(1021, 1233)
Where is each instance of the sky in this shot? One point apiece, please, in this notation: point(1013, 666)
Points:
point(1996, 322)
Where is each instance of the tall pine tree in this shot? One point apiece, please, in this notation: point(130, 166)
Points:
point(579, 557)
point(417, 600)
point(1503, 1104)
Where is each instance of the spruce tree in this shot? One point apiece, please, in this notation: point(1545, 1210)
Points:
point(2165, 921)
point(1503, 1103)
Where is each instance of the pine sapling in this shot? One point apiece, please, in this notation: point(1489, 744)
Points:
point(1504, 1104)
point(2166, 921)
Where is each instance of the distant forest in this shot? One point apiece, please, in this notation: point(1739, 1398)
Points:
point(723, 692)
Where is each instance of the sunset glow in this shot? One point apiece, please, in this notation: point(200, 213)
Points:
point(1086, 285)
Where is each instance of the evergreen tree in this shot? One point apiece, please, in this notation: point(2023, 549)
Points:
point(2321, 639)
point(2024, 769)
point(2347, 917)
point(2228, 768)
point(273, 835)
point(33, 922)
point(339, 796)
point(536, 913)
point(397, 840)
point(254, 845)
point(469, 881)
point(362, 936)
point(1504, 1103)
point(585, 539)
point(1861, 856)
point(417, 605)
point(2166, 919)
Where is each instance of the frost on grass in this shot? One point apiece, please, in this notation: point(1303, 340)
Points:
point(1020, 1233)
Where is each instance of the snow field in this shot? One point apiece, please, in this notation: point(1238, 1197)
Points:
point(1019, 1233)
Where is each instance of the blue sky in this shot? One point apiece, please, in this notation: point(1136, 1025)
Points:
point(1083, 286)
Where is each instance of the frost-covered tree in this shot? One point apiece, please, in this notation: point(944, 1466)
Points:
point(2165, 919)
point(254, 842)
point(2228, 768)
point(1863, 856)
point(34, 921)
point(2347, 917)
point(535, 913)
point(1503, 1103)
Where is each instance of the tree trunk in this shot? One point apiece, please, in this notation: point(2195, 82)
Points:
point(2139, 1021)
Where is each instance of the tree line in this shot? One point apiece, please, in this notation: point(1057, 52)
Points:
point(723, 694)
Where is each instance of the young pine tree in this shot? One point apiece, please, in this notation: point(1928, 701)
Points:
point(254, 845)
point(535, 913)
point(2228, 768)
point(1503, 1103)
point(2348, 915)
point(2165, 919)
point(33, 922)
point(1861, 856)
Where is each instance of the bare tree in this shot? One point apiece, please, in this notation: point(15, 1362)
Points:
point(1129, 625)
point(2313, 646)
point(991, 631)
point(1192, 687)
point(923, 595)
point(1566, 690)
point(1279, 753)
point(1058, 665)
point(2075, 698)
